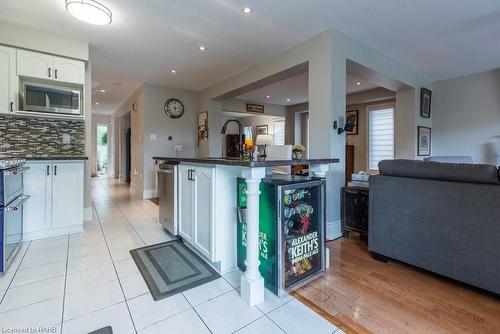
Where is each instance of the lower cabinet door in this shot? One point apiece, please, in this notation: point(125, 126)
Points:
point(67, 194)
point(203, 210)
point(37, 209)
point(185, 202)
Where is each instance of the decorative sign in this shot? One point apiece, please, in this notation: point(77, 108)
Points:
point(304, 247)
point(255, 108)
point(424, 141)
point(202, 126)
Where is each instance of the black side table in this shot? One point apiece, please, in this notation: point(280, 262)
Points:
point(354, 210)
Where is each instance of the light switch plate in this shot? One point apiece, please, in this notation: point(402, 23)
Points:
point(178, 148)
point(66, 138)
point(152, 137)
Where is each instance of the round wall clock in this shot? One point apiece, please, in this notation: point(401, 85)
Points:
point(174, 108)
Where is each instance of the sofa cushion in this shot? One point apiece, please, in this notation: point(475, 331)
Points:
point(475, 173)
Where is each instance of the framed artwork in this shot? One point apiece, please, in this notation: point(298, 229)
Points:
point(255, 108)
point(261, 130)
point(425, 103)
point(351, 119)
point(202, 126)
point(424, 141)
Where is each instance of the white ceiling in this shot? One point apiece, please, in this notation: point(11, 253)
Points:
point(147, 38)
point(295, 88)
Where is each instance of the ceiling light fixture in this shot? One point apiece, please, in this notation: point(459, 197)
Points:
point(358, 83)
point(288, 100)
point(202, 48)
point(89, 11)
point(97, 103)
point(268, 97)
point(247, 10)
point(102, 90)
point(173, 71)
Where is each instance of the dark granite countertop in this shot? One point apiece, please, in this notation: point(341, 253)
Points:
point(52, 157)
point(242, 163)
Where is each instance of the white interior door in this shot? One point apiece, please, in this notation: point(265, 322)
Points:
point(67, 194)
point(8, 79)
point(34, 64)
point(37, 209)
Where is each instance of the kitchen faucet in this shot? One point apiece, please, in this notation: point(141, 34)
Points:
point(240, 131)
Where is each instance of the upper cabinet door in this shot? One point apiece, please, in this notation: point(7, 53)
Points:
point(67, 194)
point(8, 80)
point(69, 70)
point(35, 65)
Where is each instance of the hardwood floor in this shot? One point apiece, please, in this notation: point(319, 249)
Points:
point(362, 295)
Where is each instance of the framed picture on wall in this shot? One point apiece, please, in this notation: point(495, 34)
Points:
point(425, 103)
point(424, 141)
point(261, 129)
point(202, 126)
point(351, 117)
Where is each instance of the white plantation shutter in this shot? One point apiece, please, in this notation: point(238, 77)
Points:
point(381, 135)
point(279, 132)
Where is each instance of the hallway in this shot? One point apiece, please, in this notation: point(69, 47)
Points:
point(81, 282)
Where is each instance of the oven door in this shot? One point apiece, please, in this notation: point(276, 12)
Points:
point(12, 229)
point(12, 184)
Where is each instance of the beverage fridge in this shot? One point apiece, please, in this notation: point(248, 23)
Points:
point(291, 230)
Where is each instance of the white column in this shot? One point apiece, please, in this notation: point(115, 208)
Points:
point(252, 283)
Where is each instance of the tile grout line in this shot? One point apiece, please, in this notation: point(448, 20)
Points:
point(112, 261)
point(197, 314)
point(65, 282)
point(15, 273)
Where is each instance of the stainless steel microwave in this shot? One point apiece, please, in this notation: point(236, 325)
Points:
point(46, 98)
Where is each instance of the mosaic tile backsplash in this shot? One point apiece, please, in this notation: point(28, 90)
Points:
point(27, 136)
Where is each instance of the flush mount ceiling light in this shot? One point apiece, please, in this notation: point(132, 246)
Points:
point(358, 83)
point(89, 11)
point(268, 97)
point(173, 71)
point(247, 10)
point(202, 48)
point(102, 90)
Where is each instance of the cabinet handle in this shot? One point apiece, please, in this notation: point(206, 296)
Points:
point(55, 170)
point(189, 174)
point(48, 170)
point(192, 177)
point(12, 106)
point(55, 73)
point(49, 73)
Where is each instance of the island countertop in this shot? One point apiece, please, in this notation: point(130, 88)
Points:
point(46, 158)
point(250, 164)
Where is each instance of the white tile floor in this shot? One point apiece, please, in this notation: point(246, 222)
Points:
point(81, 282)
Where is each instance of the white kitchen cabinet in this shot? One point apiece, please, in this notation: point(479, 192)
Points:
point(69, 70)
point(8, 80)
point(56, 203)
point(35, 64)
point(44, 66)
point(67, 194)
point(196, 199)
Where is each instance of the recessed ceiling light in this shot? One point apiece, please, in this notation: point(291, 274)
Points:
point(173, 71)
point(97, 103)
point(102, 90)
point(288, 100)
point(202, 48)
point(89, 11)
point(117, 84)
point(358, 83)
point(268, 97)
point(247, 10)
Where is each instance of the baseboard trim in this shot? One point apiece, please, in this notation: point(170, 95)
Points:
point(149, 193)
point(52, 232)
point(88, 214)
point(333, 230)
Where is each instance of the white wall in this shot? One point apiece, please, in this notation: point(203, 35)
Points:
point(466, 117)
point(156, 122)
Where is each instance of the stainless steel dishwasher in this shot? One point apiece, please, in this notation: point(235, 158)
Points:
point(167, 182)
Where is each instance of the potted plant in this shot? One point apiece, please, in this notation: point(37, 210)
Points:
point(298, 152)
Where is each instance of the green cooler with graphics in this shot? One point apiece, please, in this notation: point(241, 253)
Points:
point(291, 227)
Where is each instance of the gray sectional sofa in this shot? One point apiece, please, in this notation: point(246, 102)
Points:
point(442, 217)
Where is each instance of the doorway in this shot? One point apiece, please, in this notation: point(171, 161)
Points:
point(102, 156)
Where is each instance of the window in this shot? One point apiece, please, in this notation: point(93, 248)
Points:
point(381, 135)
point(279, 132)
point(247, 130)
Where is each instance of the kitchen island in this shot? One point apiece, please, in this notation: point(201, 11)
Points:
point(207, 210)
